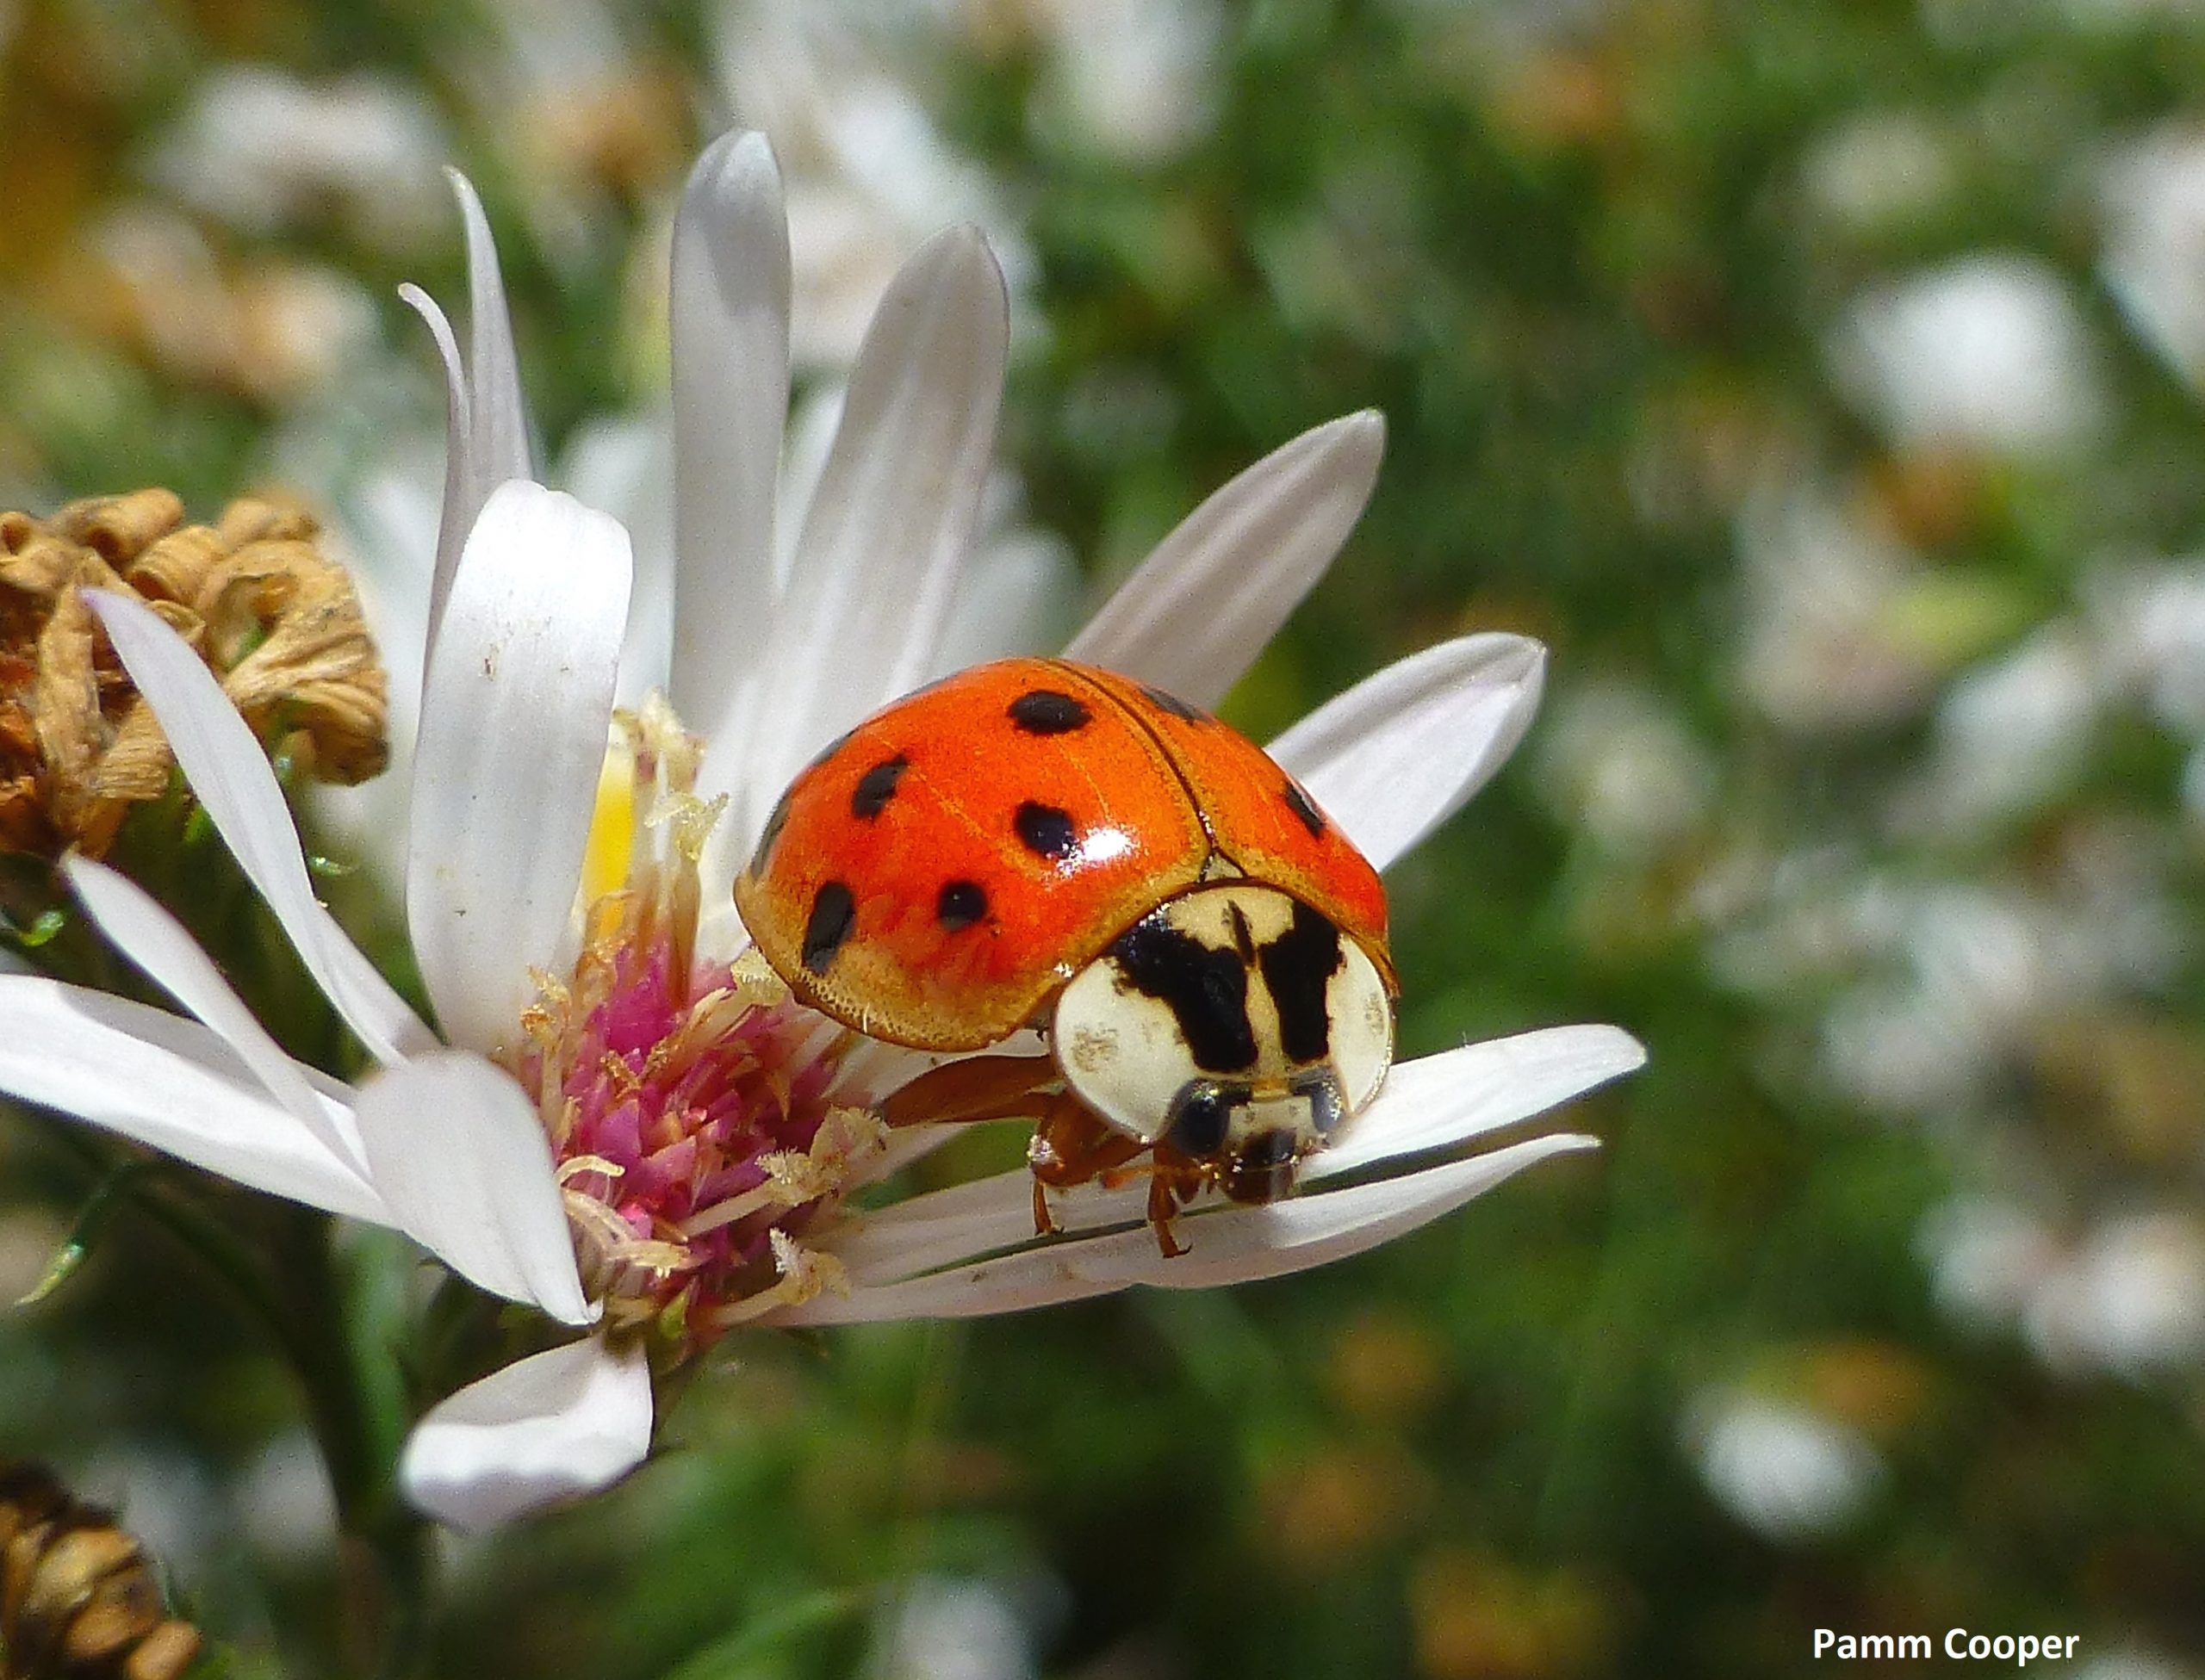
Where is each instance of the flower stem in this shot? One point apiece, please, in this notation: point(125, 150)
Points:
point(359, 1432)
point(358, 1438)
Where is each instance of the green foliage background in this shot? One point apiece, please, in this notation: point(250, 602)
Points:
point(1581, 267)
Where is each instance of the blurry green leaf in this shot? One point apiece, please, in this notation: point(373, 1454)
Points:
point(748, 1654)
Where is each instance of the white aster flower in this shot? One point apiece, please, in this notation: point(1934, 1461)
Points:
point(2151, 192)
point(1989, 351)
point(2130, 1298)
point(868, 173)
point(623, 1120)
point(1783, 1468)
point(266, 151)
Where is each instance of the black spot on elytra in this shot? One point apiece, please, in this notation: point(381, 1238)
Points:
point(877, 787)
point(1206, 989)
point(960, 904)
point(834, 913)
point(1164, 700)
point(1046, 831)
point(1297, 966)
point(1298, 803)
point(1044, 711)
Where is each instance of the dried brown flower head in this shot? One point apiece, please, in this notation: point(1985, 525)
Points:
point(277, 620)
point(77, 1598)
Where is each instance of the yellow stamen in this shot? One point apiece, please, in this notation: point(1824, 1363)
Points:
point(580, 1164)
point(805, 1274)
point(612, 823)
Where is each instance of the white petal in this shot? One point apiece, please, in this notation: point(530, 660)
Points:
point(1399, 754)
point(512, 739)
point(461, 1160)
point(1440, 1101)
point(158, 943)
point(389, 547)
point(1015, 598)
point(456, 515)
point(1434, 1103)
point(983, 1217)
point(487, 440)
point(547, 1429)
point(889, 525)
point(229, 773)
point(171, 1085)
point(731, 331)
point(1229, 1244)
point(621, 467)
point(497, 421)
point(1195, 615)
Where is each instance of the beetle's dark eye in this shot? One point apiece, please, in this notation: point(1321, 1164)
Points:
point(1200, 1114)
point(1322, 1091)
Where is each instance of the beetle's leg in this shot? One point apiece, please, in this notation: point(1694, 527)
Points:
point(1072, 1144)
point(1163, 1207)
point(1175, 1178)
point(980, 1087)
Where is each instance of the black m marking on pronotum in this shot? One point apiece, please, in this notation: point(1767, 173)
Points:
point(1205, 990)
point(1297, 966)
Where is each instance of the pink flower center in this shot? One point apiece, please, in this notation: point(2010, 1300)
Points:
point(679, 1112)
point(692, 1106)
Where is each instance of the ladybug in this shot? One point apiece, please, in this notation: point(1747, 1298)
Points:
point(1036, 843)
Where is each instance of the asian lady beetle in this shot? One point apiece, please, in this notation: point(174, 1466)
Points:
point(1037, 843)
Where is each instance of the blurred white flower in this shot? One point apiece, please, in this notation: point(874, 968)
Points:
point(943, 1628)
point(1880, 169)
point(1619, 761)
point(1134, 80)
point(2129, 1299)
point(1781, 1468)
point(266, 152)
point(2150, 616)
point(1956, 974)
point(867, 174)
point(1827, 641)
point(1987, 1258)
point(282, 1502)
point(2152, 194)
point(585, 113)
point(1989, 351)
point(272, 331)
point(2010, 735)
